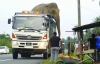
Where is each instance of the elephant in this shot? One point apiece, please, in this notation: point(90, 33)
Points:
point(52, 9)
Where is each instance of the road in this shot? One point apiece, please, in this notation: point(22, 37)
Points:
point(36, 59)
point(7, 59)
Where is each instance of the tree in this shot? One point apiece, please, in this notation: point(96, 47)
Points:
point(93, 30)
point(5, 40)
point(96, 29)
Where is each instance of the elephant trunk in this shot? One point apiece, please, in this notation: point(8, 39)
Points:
point(57, 19)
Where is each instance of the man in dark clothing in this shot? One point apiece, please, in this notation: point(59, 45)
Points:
point(54, 44)
point(92, 41)
point(93, 44)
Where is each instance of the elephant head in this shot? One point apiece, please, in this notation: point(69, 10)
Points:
point(51, 9)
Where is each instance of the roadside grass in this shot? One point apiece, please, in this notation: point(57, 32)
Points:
point(87, 61)
point(47, 61)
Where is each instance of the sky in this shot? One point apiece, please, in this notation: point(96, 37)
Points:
point(68, 13)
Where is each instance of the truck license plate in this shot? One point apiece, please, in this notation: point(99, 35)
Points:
point(28, 44)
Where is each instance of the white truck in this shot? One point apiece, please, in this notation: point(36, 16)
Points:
point(30, 33)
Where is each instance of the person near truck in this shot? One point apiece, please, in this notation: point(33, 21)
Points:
point(76, 46)
point(85, 46)
point(92, 39)
point(53, 44)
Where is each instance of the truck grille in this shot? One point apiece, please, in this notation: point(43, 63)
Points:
point(32, 38)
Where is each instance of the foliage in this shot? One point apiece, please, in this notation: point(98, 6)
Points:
point(85, 34)
point(5, 40)
point(93, 30)
point(96, 29)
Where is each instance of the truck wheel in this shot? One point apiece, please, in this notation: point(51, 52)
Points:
point(15, 55)
point(45, 55)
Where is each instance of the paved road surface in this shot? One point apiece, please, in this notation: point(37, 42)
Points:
point(7, 59)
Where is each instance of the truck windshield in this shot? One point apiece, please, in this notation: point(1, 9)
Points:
point(29, 22)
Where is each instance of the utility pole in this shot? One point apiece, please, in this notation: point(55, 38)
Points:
point(79, 24)
point(79, 17)
point(79, 14)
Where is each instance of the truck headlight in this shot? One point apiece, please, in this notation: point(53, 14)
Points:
point(14, 43)
point(42, 45)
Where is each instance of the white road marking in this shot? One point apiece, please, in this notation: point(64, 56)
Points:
point(5, 60)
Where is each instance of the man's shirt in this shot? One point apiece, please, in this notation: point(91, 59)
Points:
point(76, 45)
point(54, 41)
point(92, 43)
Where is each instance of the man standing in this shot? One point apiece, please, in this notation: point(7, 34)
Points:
point(92, 40)
point(76, 46)
point(54, 44)
point(85, 46)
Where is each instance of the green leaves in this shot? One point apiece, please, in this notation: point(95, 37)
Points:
point(89, 31)
point(5, 40)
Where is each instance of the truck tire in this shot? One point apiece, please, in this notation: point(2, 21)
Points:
point(15, 55)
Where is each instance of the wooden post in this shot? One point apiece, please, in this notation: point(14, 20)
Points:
point(79, 24)
point(69, 46)
point(81, 45)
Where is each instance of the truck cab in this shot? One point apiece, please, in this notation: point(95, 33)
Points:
point(31, 31)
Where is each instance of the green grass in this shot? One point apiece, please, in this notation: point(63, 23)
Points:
point(47, 61)
point(87, 61)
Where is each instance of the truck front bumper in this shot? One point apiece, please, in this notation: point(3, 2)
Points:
point(23, 50)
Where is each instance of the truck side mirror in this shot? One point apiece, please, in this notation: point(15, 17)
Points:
point(9, 21)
